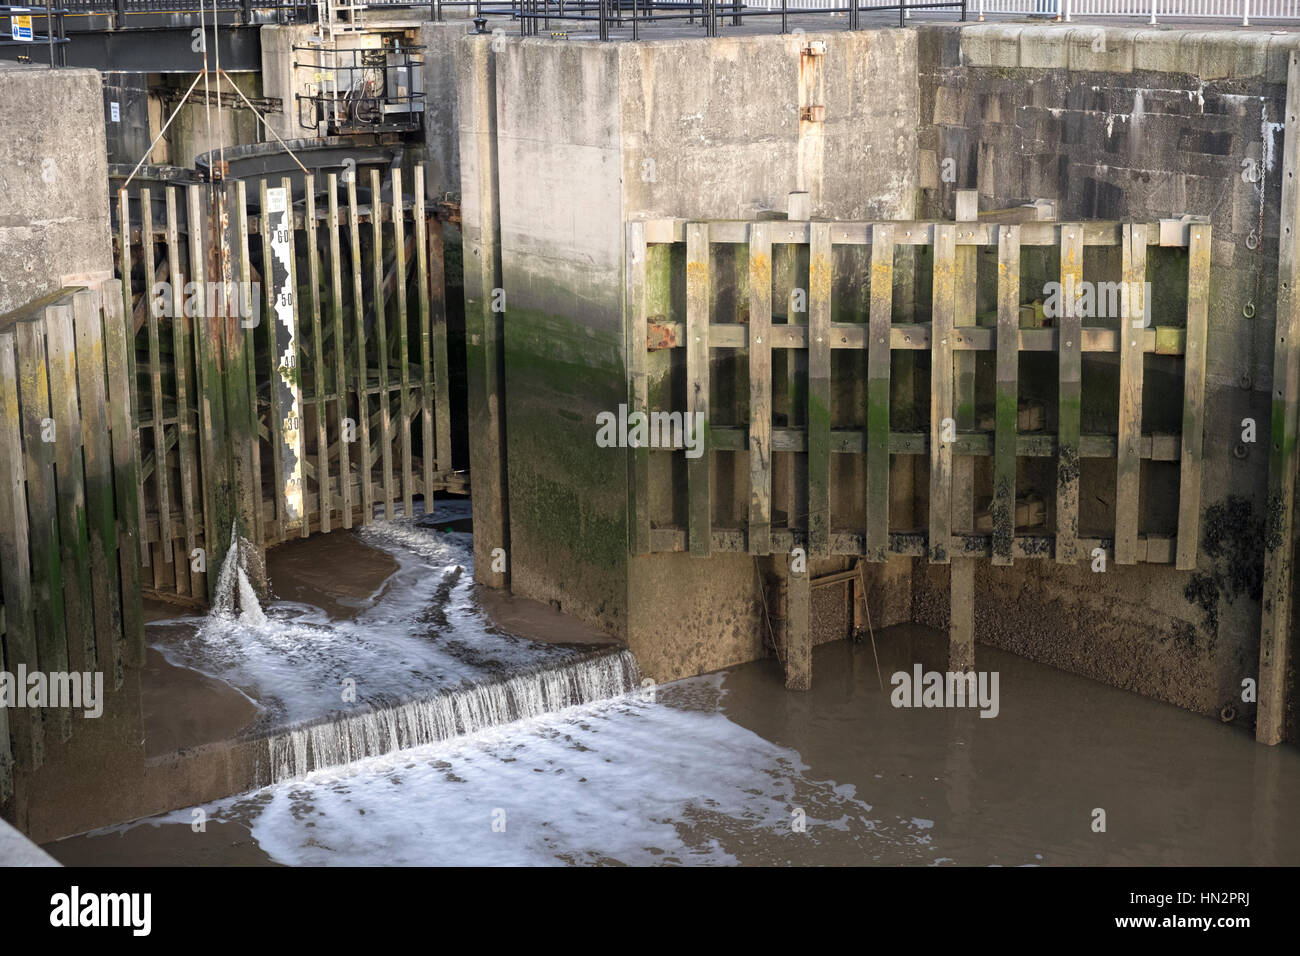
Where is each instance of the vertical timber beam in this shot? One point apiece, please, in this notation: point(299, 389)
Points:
point(422, 257)
point(119, 338)
point(819, 388)
point(1003, 510)
point(318, 383)
point(184, 421)
point(698, 478)
point(74, 545)
point(798, 628)
point(101, 517)
point(160, 469)
point(878, 384)
point(1191, 462)
point(760, 388)
point(238, 435)
point(403, 346)
point(15, 555)
point(1128, 462)
point(124, 255)
point(961, 605)
point(1279, 540)
point(42, 513)
point(1070, 383)
point(942, 422)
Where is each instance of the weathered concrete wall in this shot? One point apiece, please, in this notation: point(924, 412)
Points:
point(441, 106)
point(199, 129)
point(561, 253)
point(1132, 124)
point(587, 136)
point(281, 80)
point(712, 130)
point(54, 180)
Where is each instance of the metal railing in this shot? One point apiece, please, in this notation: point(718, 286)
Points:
point(536, 16)
point(22, 23)
point(1150, 10)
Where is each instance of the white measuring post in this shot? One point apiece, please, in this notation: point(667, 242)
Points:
point(288, 375)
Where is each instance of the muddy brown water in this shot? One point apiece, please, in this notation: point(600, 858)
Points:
point(713, 770)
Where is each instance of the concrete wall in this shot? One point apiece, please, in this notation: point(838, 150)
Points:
point(587, 136)
point(53, 180)
point(441, 106)
point(1140, 124)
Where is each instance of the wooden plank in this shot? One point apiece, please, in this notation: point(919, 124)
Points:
point(1007, 402)
point(798, 630)
point(15, 557)
point(942, 392)
point(1128, 462)
point(340, 366)
point(249, 452)
point(181, 325)
point(426, 345)
point(119, 336)
point(638, 457)
point(359, 346)
point(124, 254)
point(820, 262)
point(162, 490)
point(275, 410)
point(1163, 340)
point(698, 292)
point(964, 294)
point(878, 385)
point(760, 389)
point(42, 507)
point(441, 363)
point(318, 359)
point(1275, 625)
point(208, 393)
point(70, 491)
point(1191, 457)
point(1070, 380)
point(101, 513)
point(381, 342)
point(403, 352)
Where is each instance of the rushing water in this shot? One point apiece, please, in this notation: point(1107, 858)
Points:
point(464, 710)
point(471, 746)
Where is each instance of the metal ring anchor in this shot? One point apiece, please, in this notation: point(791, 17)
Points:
point(1248, 310)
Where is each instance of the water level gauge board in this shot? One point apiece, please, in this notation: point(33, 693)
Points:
point(284, 342)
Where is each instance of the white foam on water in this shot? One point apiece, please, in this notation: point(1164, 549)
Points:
point(421, 633)
point(624, 781)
